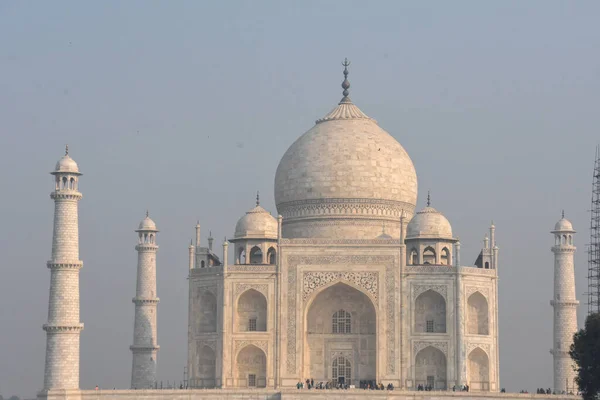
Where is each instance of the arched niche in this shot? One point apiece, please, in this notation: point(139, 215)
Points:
point(256, 255)
point(429, 255)
point(430, 368)
point(251, 313)
point(477, 315)
point(207, 312)
point(251, 367)
point(445, 256)
point(205, 375)
point(430, 312)
point(413, 258)
point(354, 310)
point(478, 370)
point(272, 256)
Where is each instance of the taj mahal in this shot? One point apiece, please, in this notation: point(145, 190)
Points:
point(349, 283)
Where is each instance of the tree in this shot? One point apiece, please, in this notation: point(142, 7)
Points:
point(585, 352)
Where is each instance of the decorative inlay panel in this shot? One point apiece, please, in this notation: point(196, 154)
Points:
point(242, 287)
point(419, 289)
point(261, 344)
point(314, 280)
point(483, 346)
point(420, 345)
point(210, 343)
point(390, 317)
point(343, 207)
point(420, 269)
point(250, 268)
point(485, 291)
point(294, 260)
point(201, 289)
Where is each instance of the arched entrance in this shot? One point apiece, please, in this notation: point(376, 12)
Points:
point(251, 367)
point(340, 337)
point(251, 312)
point(430, 368)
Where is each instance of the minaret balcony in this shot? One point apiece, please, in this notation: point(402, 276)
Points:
point(142, 300)
point(74, 328)
point(64, 265)
point(66, 195)
point(564, 303)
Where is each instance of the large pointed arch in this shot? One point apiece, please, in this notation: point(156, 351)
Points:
point(477, 315)
point(430, 312)
point(340, 321)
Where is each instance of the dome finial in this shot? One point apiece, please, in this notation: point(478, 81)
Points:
point(346, 83)
point(563, 213)
point(147, 213)
point(257, 198)
point(428, 199)
point(66, 150)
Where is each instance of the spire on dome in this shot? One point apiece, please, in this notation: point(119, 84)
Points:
point(147, 213)
point(345, 108)
point(66, 150)
point(257, 198)
point(346, 83)
point(428, 199)
point(563, 213)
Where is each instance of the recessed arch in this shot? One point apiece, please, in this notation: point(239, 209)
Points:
point(251, 315)
point(207, 312)
point(430, 368)
point(430, 312)
point(251, 366)
point(360, 344)
point(478, 370)
point(477, 314)
point(206, 368)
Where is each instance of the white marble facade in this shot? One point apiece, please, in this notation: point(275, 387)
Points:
point(349, 283)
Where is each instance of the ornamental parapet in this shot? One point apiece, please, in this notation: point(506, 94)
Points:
point(448, 269)
point(340, 242)
point(252, 268)
point(54, 265)
point(146, 247)
point(66, 195)
point(564, 303)
point(72, 328)
point(142, 300)
point(563, 249)
point(143, 348)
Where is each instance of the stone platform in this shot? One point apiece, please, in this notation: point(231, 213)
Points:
point(286, 394)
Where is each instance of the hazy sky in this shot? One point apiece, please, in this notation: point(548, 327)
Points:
point(185, 108)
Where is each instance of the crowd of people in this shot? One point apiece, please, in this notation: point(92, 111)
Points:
point(365, 385)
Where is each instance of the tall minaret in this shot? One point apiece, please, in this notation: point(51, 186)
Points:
point(145, 348)
point(565, 305)
point(64, 328)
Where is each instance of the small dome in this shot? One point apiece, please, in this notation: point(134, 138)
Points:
point(564, 225)
point(257, 223)
point(147, 225)
point(429, 223)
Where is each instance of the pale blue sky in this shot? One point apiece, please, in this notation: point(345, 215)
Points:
point(185, 108)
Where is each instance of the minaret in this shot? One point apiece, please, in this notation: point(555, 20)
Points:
point(565, 306)
point(145, 348)
point(63, 327)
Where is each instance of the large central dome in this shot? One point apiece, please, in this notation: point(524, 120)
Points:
point(345, 178)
